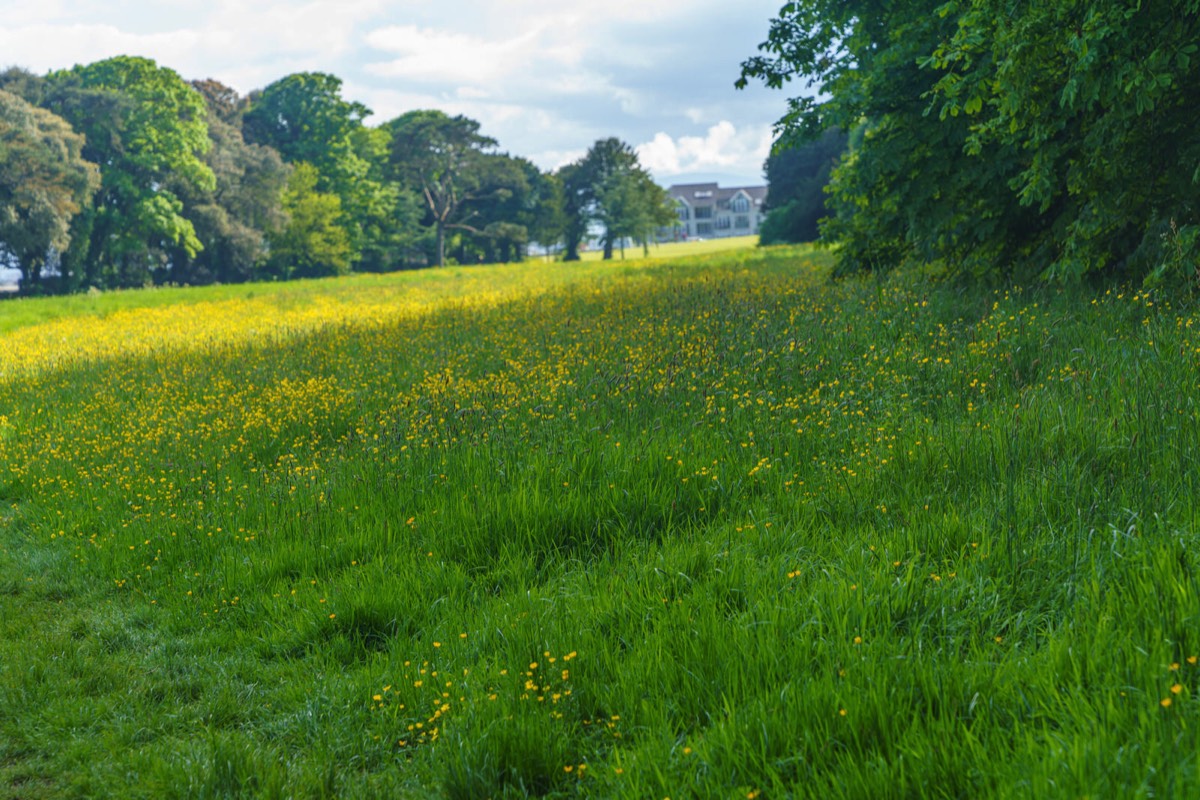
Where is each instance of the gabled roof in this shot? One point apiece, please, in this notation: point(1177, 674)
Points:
point(756, 193)
point(706, 193)
point(691, 193)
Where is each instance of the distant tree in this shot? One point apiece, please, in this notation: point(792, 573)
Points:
point(234, 219)
point(631, 205)
point(313, 243)
point(24, 84)
point(100, 116)
point(145, 127)
point(797, 177)
point(387, 213)
point(578, 195)
point(305, 118)
point(660, 213)
point(450, 165)
point(545, 217)
point(44, 183)
point(223, 101)
point(519, 204)
point(609, 187)
point(492, 221)
point(618, 206)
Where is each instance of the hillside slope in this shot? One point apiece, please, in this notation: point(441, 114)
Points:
point(713, 527)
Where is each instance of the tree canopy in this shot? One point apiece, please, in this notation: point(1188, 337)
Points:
point(146, 128)
point(305, 118)
point(1049, 140)
point(449, 164)
point(44, 183)
point(121, 174)
point(313, 243)
point(235, 217)
point(610, 188)
point(797, 177)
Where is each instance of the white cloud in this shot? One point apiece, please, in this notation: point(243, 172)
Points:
point(544, 77)
point(722, 149)
point(553, 159)
point(660, 155)
point(425, 54)
point(494, 114)
point(539, 65)
point(28, 12)
point(82, 44)
point(244, 45)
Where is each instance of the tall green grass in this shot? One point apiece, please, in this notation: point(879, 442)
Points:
point(714, 528)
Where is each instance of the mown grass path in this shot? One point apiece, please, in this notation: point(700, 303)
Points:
point(710, 528)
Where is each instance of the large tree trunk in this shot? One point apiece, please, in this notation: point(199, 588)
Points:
point(608, 247)
point(441, 243)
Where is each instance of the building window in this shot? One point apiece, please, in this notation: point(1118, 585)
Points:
point(683, 211)
point(740, 204)
point(741, 222)
point(703, 212)
point(724, 223)
point(704, 229)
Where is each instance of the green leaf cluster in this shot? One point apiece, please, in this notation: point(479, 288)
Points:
point(798, 177)
point(1051, 140)
point(121, 174)
point(44, 182)
point(314, 243)
point(144, 127)
point(608, 188)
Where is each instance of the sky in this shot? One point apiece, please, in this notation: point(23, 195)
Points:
point(546, 78)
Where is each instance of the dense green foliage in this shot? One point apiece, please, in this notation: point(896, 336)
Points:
point(198, 184)
point(608, 187)
point(797, 177)
point(1047, 140)
point(44, 182)
point(304, 117)
point(157, 136)
point(314, 242)
point(710, 529)
point(452, 167)
point(234, 217)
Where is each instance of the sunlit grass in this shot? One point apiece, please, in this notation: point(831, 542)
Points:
point(21, 312)
point(695, 247)
point(713, 527)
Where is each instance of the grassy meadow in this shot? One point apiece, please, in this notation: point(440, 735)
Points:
point(712, 526)
point(693, 247)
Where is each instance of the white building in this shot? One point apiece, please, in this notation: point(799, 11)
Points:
point(707, 211)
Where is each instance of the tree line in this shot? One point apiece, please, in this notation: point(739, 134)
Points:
point(1050, 141)
point(121, 174)
point(798, 177)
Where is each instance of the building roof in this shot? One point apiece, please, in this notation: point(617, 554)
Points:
point(702, 193)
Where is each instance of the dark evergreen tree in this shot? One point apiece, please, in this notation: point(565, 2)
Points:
point(797, 177)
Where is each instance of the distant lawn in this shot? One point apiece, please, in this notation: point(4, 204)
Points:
point(22, 312)
point(678, 249)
